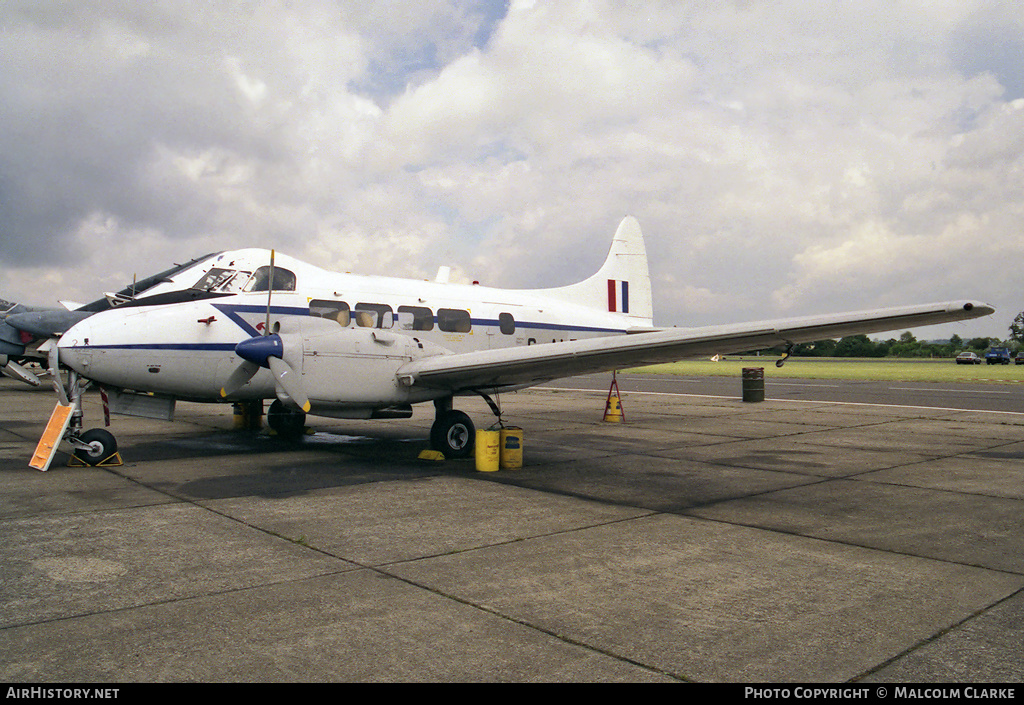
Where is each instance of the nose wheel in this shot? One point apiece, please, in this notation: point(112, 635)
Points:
point(94, 447)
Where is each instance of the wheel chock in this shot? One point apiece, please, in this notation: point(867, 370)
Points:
point(431, 455)
point(111, 461)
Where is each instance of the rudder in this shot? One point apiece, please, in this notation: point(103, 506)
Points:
point(623, 284)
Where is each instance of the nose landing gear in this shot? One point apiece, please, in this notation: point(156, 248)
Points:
point(95, 448)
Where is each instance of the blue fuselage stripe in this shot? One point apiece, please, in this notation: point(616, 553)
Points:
point(215, 347)
point(234, 311)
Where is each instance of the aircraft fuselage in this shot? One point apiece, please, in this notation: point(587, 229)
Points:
point(346, 336)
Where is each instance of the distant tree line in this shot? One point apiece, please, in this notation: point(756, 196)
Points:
point(909, 346)
point(905, 346)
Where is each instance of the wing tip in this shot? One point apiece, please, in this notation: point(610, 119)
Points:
point(976, 309)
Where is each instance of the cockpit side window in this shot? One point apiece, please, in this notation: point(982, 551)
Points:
point(284, 279)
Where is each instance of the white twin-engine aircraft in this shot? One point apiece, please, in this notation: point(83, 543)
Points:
point(349, 346)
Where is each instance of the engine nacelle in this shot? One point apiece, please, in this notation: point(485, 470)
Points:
point(352, 368)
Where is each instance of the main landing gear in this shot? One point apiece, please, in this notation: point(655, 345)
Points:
point(286, 422)
point(453, 432)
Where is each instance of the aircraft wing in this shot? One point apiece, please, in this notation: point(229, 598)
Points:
point(524, 366)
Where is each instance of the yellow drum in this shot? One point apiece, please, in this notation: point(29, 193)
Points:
point(511, 448)
point(487, 451)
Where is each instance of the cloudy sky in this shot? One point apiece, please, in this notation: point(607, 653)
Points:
point(783, 158)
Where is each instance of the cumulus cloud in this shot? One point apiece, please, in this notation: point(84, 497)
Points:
point(783, 158)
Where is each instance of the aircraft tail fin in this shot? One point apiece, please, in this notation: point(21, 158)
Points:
point(623, 284)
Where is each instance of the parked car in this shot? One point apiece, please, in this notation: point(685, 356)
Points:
point(968, 358)
point(1019, 360)
point(998, 356)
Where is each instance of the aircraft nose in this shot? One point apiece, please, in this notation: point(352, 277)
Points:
point(10, 340)
point(76, 335)
point(73, 347)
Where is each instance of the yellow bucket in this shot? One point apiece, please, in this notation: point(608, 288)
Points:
point(240, 419)
point(613, 410)
point(248, 415)
point(511, 448)
point(487, 451)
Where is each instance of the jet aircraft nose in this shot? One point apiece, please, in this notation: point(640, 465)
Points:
point(44, 324)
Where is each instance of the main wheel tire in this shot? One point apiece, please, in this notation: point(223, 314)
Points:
point(102, 445)
point(453, 434)
point(288, 423)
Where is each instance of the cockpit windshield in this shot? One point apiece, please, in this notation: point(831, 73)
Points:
point(222, 281)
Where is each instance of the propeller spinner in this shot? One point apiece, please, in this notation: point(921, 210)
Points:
point(266, 351)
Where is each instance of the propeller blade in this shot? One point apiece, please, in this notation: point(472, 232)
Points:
point(289, 382)
point(242, 374)
point(268, 351)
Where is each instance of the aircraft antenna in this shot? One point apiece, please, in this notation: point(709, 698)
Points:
point(270, 288)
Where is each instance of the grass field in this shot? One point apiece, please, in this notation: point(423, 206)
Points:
point(895, 369)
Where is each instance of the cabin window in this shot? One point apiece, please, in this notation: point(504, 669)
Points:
point(453, 320)
point(373, 315)
point(422, 317)
point(506, 323)
point(334, 310)
point(284, 279)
